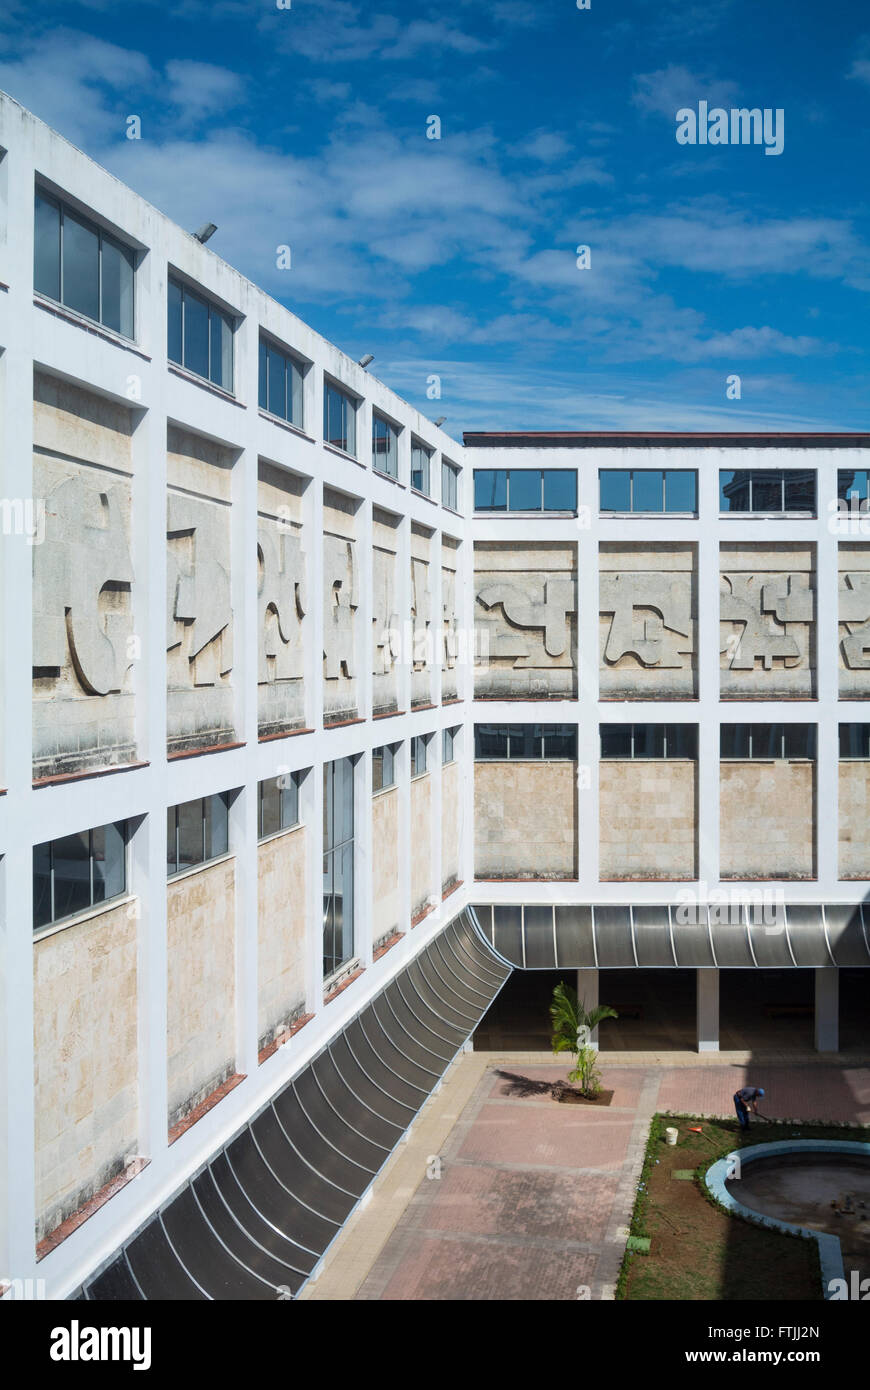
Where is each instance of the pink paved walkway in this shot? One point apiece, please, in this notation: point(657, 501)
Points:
point(530, 1200)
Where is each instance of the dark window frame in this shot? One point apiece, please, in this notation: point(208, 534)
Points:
point(226, 799)
point(762, 738)
point(664, 509)
point(225, 316)
point(293, 364)
point(502, 480)
point(350, 410)
point(292, 780)
point(526, 737)
point(760, 478)
point(94, 904)
point(671, 733)
point(393, 433)
point(128, 252)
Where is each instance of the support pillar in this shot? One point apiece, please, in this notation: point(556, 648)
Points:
point(707, 1010)
point(587, 994)
point(828, 1009)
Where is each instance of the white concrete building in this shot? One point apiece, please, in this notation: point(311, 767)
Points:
point(252, 774)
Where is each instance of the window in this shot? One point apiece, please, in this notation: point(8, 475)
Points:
point(767, 490)
point(384, 767)
point(385, 446)
point(197, 832)
point(648, 489)
point(200, 336)
point(649, 741)
point(80, 266)
point(767, 741)
point(338, 825)
point(448, 745)
point(339, 418)
point(525, 490)
point(449, 485)
point(855, 740)
point(525, 741)
point(852, 487)
point(278, 807)
point(421, 458)
point(78, 871)
point(280, 391)
point(419, 755)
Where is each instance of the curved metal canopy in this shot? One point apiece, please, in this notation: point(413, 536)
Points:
point(744, 936)
point(256, 1220)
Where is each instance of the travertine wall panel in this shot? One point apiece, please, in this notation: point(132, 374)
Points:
point(525, 819)
point(421, 842)
point(281, 933)
point(449, 636)
point(86, 1056)
point(282, 601)
point(525, 620)
point(648, 819)
point(83, 625)
point(648, 615)
point(385, 864)
point(767, 819)
point(854, 818)
point(853, 645)
point(421, 616)
point(451, 824)
point(386, 626)
point(201, 985)
point(340, 606)
point(767, 621)
point(199, 656)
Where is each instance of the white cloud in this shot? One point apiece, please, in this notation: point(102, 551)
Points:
point(664, 92)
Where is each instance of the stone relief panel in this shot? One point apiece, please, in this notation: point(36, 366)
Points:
point(340, 604)
point(282, 602)
point(767, 628)
point(422, 632)
point(525, 620)
point(386, 633)
point(853, 636)
point(449, 633)
point(647, 599)
point(199, 630)
point(84, 643)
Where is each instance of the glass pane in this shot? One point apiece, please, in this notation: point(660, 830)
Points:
point(560, 490)
point(173, 346)
point(289, 800)
point(734, 741)
point(109, 861)
point(616, 740)
point(490, 741)
point(349, 425)
point(800, 490)
point(216, 826)
point(171, 860)
point(419, 469)
point(81, 267)
point(263, 378)
point(680, 490)
point(526, 741)
point(72, 874)
point(766, 740)
point(615, 489)
point(852, 485)
point(329, 957)
point(294, 393)
point(524, 490)
point(649, 739)
point(733, 490)
point(800, 741)
point(270, 807)
point(560, 741)
point(277, 385)
point(648, 490)
point(46, 249)
point(682, 740)
point(221, 361)
point(490, 490)
point(343, 903)
point(116, 269)
point(42, 884)
point(195, 334)
point(767, 490)
point(327, 806)
point(854, 740)
point(190, 846)
point(343, 803)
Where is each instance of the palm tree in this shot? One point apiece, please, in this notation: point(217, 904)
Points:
point(573, 1025)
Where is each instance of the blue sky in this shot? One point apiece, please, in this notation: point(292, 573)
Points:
point(307, 126)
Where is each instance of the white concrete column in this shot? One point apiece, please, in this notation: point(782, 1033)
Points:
point(827, 1009)
point(587, 995)
point(707, 1010)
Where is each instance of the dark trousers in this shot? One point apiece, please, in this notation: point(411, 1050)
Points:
point(742, 1112)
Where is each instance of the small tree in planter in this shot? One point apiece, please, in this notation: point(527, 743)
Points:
point(573, 1026)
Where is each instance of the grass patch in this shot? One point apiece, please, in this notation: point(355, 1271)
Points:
point(698, 1250)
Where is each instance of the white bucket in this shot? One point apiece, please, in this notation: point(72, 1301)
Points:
point(671, 1135)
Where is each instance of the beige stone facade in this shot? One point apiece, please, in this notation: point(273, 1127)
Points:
point(451, 824)
point(525, 820)
point(201, 985)
point(281, 933)
point(421, 842)
point(648, 818)
point(854, 818)
point(767, 813)
point(85, 1036)
point(385, 864)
